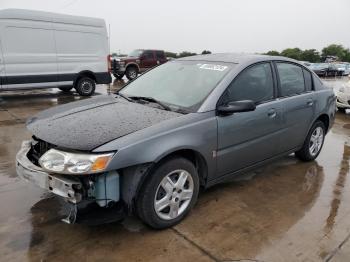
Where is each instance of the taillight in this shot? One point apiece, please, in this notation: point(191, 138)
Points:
point(109, 63)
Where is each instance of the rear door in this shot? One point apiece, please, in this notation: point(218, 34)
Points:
point(160, 56)
point(148, 60)
point(297, 97)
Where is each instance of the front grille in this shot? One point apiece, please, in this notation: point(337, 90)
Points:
point(38, 148)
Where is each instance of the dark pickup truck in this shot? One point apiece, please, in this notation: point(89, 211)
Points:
point(138, 61)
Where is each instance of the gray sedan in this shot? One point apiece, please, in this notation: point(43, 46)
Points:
point(190, 123)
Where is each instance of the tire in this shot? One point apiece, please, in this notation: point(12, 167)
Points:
point(306, 153)
point(118, 76)
point(85, 86)
point(131, 72)
point(342, 110)
point(65, 88)
point(172, 195)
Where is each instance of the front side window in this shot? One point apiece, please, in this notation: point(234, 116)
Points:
point(254, 83)
point(291, 79)
point(179, 84)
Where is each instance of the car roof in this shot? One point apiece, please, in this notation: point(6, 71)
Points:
point(236, 58)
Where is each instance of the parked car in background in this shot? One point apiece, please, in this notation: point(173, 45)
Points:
point(41, 50)
point(324, 69)
point(190, 123)
point(138, 61)
point(343, 97)
point(343, 68)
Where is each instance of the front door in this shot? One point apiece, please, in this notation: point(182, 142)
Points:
point(250, 137)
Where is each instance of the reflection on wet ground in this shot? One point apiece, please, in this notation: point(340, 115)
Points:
point(287, 211)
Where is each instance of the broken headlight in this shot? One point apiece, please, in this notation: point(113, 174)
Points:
point(56, 161)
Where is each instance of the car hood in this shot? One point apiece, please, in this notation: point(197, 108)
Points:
point(87, 124)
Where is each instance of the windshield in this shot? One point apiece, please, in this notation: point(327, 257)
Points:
point(179, 84)
point(136, 53)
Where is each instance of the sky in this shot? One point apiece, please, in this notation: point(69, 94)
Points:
point(249, 26)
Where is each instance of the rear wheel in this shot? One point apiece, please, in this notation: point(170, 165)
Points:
point(66, 88)
point(85, 86)
point(169, 194)
point(313, 142)
point(131, 72)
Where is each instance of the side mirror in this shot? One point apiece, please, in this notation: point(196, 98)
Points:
point(236, 107)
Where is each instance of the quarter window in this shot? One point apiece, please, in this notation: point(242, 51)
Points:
point(308, 80)
point(254, 83)
point(291, 79)
point(160, 55)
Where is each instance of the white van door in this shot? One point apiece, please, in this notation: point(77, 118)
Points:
point(30, 54)
point(2, 67)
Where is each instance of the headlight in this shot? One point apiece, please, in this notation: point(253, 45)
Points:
point(74, 163)
point(342, 89)
point(122, 63)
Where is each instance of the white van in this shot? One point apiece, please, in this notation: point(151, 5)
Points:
point(41, 50)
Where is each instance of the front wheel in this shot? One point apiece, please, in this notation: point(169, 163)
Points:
point(85, 86)
point(131, 72)
point(313, 142)
point(169, 194)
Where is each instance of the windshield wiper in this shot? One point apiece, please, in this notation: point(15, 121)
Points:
point(151, 100)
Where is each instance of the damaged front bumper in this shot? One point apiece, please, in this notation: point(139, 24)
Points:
point(80, 192)
point(57, 184)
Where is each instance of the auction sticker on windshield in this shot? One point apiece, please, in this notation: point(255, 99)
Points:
point(212, 67)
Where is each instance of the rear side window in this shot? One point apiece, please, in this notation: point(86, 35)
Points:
point(291, 79)
point(308, 80)
point(254, 83)
point(160, 55)
point(148, 54)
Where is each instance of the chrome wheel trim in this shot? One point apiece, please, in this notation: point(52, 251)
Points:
point(133, 74)
point(174, 194)
point(316, 141)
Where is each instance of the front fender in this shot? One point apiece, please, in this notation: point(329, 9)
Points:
point(197, 132)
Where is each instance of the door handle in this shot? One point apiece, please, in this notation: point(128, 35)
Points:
point(271, 113)
point(310, 102)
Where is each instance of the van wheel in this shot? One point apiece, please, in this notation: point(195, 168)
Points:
point(313, 142)
point(169, 194)
point(85, 86)
point(131, 72)
point(65, 88)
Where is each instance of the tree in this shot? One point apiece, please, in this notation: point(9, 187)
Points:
point(294, 53)
point(186, 53)
point(170, 54)
point(310, 55)
point(273, 53)
point(333, 50)
point(206, 52)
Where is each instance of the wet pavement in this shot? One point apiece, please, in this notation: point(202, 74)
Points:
point(286, 211)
